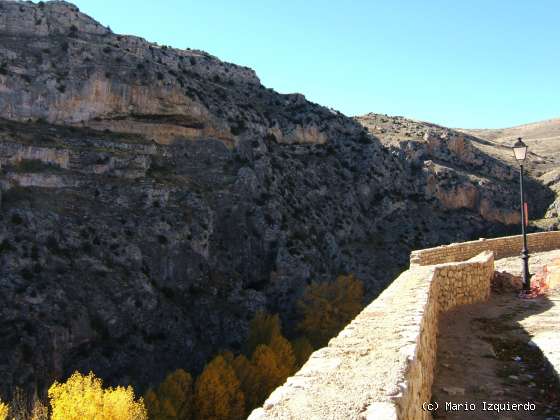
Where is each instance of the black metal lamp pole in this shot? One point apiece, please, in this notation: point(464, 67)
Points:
point(520, 153)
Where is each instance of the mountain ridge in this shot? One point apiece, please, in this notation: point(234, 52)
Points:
point(152, 204)
point(543, 141)
point(539, 123)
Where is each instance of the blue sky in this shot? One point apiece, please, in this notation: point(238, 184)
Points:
point(471, 64)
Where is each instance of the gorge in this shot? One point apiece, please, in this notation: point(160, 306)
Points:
point(153, 199)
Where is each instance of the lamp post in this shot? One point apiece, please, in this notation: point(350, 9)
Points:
point(520, 153)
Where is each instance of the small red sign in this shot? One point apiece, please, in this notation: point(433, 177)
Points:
point(526, 208)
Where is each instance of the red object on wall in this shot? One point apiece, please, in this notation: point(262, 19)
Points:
point(526, 208)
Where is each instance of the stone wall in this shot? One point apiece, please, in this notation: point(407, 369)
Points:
point(506, 246)
point(381, 365)
point(465, 282)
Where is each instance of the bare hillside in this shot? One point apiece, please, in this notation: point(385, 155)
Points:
point(543, 139)
point(478, 157)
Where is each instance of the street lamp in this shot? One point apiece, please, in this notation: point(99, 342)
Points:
point(520, 153)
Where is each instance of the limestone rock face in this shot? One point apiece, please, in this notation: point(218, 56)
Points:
point(62, 66)
point(543, 141)
point(459, 174)
point(552, 180)
point(153, 199)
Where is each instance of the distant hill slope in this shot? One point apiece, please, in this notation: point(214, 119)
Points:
point(484, 151)
point(543, 139)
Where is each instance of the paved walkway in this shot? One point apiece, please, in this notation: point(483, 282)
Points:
point(492, 353)
point(544, 328)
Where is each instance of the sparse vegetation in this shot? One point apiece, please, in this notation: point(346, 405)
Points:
point(238, 127)
point(17, 219)
point(39, 411)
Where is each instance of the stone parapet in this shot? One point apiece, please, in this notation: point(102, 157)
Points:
point(381, 365)
point(507, 246)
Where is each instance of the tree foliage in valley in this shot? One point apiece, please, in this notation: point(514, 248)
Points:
point(83, 397)
point(326, 308)
point(3, 410)
point(229, 387)
point(173, 399)
point(284, 353)
point(217, 392)
point(39, 411)
point(262, 329)
point(269, 374)
point(248, 376)
point(302, 350)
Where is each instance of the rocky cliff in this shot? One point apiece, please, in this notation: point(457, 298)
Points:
point(543, 140)
point(457, 164)
point(152, 199)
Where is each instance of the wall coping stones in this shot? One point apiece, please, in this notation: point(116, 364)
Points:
point(502, 247)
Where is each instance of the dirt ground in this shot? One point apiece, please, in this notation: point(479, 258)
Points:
point(487, 361)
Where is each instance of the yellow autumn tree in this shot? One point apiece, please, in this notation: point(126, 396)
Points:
point(173, 399)
point(266, 329)
point(285, 358)
point(153, 406)
point(217, 393)
point(268, 374)
point(327, 307)
point(249, 380)
point(3, 410)
point(228, 356)
point(262, 328)
point(119, 403)
point(302, 350)
point(83, 397)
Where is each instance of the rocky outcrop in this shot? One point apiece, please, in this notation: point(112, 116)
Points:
point(459, 174)
point(543, 141)
point(62, 66)
point(154, 199)
point(551, 179)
